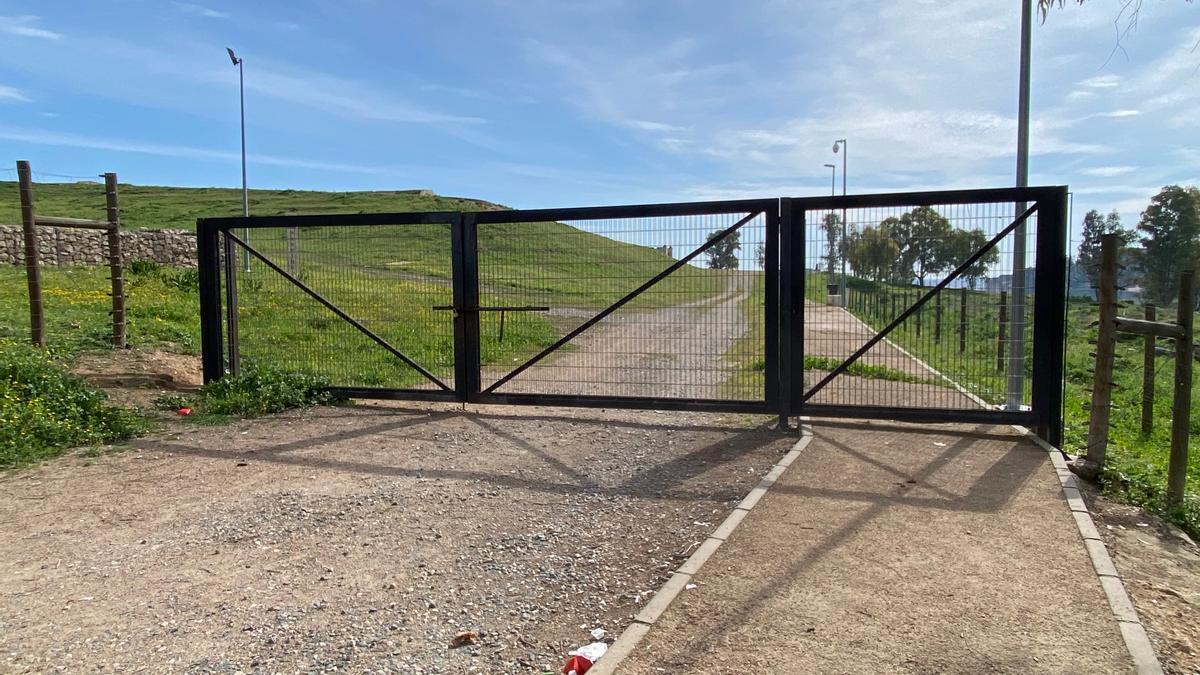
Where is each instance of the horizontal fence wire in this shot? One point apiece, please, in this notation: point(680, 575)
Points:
point(865, 267)
point(388, 278)
point(697, 333)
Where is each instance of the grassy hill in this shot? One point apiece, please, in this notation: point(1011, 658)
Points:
point(388, 277)
point(161, 207)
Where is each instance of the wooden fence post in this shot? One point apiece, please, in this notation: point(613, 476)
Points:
point(33, 270)
point(293, 250)
point(937, 318)
point(1182, 408)
point(1106, 343)
point(116, 261)
point(962, 321)
point(1002, 332)
point(1148, 374)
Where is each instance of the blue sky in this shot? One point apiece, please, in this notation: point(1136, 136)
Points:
point(538, 103)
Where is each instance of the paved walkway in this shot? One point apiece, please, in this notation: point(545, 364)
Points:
point(897, 548)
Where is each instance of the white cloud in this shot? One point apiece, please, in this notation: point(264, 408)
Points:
point(12, 95)
point(1108, 171)
point(22, 26)
point(1101, 82)
point(200, 10)
point(40, 137)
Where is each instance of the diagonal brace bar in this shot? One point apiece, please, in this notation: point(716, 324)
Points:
point(878, 337)
point(337, 310)
point(623, 301)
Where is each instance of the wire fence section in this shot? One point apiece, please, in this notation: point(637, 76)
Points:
point(865, 267)
point(353, 303)
point(695, 331)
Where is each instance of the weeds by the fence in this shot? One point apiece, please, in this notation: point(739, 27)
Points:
point(255, 392)
point(43, 409)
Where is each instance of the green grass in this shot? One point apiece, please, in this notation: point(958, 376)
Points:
point(161, 207)
point(43, 409)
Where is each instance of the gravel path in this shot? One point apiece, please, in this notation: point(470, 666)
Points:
point(361, 539)
point(889, 548)
point(673, 352)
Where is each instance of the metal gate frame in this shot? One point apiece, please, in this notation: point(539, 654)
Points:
point(1045, 414)
point(784, 392)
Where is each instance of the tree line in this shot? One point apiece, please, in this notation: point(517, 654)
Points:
point(1165, 242)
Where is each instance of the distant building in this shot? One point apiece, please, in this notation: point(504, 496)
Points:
point(668, 251)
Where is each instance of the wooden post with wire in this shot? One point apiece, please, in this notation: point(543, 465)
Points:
point(33, 270)
point(962, 320)
point(1182, 408)
point(111, 225)
point(1106, 346)
point(1148, 374)
point(116, 263)
point(1002, 332)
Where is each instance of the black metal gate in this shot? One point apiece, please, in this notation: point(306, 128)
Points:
point(780, 306)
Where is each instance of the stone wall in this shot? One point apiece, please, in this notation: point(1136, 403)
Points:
point(68, 246)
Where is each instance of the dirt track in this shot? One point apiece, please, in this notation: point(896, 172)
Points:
point(672, 352)
point(361, 539)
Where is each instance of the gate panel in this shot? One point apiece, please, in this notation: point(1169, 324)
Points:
point(352, 301)
point(605, 305)
point(936, 271)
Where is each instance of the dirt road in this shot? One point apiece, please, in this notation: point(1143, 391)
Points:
point(359, 539)
point(672, 352)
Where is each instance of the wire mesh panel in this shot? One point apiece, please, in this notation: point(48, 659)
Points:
point(694, 330)
point(968, 346)
point(352, 303)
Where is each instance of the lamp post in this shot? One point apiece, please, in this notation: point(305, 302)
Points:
point(842, 142)
point(245, 194)
point(832, 191)
point(1016, 344)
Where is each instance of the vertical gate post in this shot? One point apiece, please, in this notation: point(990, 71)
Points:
point(1102, 375)
point(33, 270)
point(791, 315)
point(208, 259)
point(1049, 317)
point(464, 253)
point(1148, 373)
point(116, 262)
point(231, 303)
point(1182, 408)
point(1002, 331)
point(771, 263)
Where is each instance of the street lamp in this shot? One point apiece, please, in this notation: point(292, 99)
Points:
point(245, 194)
point(842, 142)
point(832, 178)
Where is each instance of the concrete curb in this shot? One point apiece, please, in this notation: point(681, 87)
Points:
point(1126, 616)
point(651, 611)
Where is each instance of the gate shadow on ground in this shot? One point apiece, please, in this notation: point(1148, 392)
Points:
point(659, 481)
point(988, 493)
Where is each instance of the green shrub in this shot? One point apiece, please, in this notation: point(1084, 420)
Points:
point(256, 391)
point(43, 409)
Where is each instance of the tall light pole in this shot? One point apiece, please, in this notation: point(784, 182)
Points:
point(842, 142)
point(832, 191)
point(1016, 330)
point(245, 194)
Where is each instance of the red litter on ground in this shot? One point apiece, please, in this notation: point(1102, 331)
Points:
point(184, 412)
point(583, 658)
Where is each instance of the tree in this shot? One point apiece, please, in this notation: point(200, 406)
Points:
point(1094, 227)
point(723, 254)
point(922, 236)
point(832, 226)
point(963, 244)
point(1170, 228)
point(760, 254)
point(872, 253)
